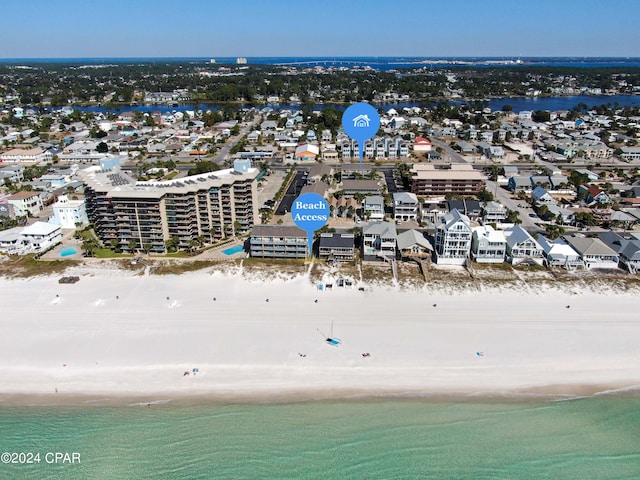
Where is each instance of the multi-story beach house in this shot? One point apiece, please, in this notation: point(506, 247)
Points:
point(413, 245)
point(275, 241)
point(405, 206)
point(488, 245)
point(522, 247)
point(336, 247)
point(460, 179)
point(628, 249)
point(470, 208)
point(493, 212)
point(373, 206)
point(594, 252)
point(132, 215)
point(69, 213)
point(519, 183)
point(558, 253)
point(379, 241)
point(26, 203)
point(541, 196)
point(453, 239)
point(34, 238)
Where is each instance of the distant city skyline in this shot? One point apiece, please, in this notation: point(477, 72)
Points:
point(252, 28)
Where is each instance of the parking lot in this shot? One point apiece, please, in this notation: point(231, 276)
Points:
point(292, 193)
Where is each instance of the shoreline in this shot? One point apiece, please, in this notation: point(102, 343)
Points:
point(114, 338)
point(543, 394)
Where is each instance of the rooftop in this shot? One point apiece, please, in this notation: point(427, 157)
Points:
point(115, 181)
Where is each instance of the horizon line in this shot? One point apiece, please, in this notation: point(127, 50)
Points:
point(627, 57)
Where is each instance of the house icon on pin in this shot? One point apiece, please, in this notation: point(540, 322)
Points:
point(361, 121)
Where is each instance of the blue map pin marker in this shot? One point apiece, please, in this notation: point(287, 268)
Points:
point(310, 212)
point(361, 122)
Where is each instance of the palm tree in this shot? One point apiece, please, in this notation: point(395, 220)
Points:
point(172, 244)
point(132, 245)
point(513, 216)
point(89, 247)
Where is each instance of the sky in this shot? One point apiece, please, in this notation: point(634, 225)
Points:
point(331, 28)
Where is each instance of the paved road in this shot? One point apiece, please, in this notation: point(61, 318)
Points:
point(504, 197)
point(224, 151)
point(448, 153)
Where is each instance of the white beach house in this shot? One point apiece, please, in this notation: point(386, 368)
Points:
point(558, 253)
point(68, 213)
point(594, 252)
point(405, 206)
point(453, 239)
point(379, 241)
point(488, 245)
point(522, 247)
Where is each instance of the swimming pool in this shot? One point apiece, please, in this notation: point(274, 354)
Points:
point(67, 251)
point(232, 250)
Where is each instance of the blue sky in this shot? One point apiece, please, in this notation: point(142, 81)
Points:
point(252, 28)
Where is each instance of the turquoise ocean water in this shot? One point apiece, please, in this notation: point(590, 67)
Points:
point(590, 438)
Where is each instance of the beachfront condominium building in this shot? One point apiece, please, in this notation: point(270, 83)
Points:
point(460, 179)
point(134, 215)
point(453, 239)
point(275, 241)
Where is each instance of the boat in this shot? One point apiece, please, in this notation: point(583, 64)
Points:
point(330, 339)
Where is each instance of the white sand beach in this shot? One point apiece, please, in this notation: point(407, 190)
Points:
point(137, 336)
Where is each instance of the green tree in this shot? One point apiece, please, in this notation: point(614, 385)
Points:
point(172, 244)
point(553, 231)
point(89, 247)
point(132, 244)
point(102, 147)
point(485, 196)
point(513, 216)
point(541, 116)
point(586, 218)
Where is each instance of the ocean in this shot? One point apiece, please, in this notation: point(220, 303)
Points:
point(596, 438)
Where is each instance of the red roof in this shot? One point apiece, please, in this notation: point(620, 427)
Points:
point(593, 190)
point(422, 141)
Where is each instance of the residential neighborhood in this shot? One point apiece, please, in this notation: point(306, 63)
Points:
point(440, 186)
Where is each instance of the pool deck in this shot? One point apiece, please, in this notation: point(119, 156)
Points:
point(209, 254)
